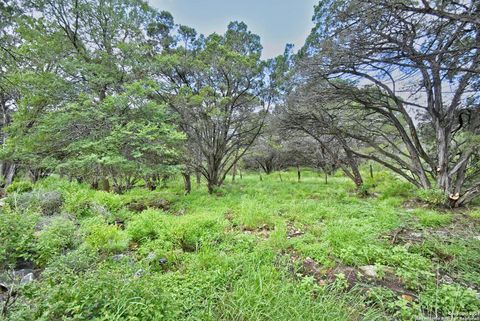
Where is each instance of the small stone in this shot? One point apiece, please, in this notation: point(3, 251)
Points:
point(163, 261)
point(139, 273)
point(408, 297)
point(27, 278)
point(118, 257)
point(369, 270)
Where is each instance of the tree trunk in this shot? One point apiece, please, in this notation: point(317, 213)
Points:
point(298, 173)
point(442, 156)
point(187, 182)
point(8, 171)
point(326, 177)
point(198, 177)
point(105, 184)
point(468, 196)
point(234, 171)
point(94, 184)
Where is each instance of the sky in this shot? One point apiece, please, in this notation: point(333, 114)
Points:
point(277, 22)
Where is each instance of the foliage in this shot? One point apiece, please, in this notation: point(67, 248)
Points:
point(54, 239)
point(148, 225)
point(19, 187)
point(17, 230)
point(104, 103)
point(430, 218)
point(449, 300)
point(103, 237)
point(45, 202)
point(433, 196)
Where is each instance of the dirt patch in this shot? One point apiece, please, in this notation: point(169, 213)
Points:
point(405, 235)
point(461, 226)
point(229, 216)
point(141, 204)
point(292, 231)
point(262, 231)
point(358, 277)
point(414, 203)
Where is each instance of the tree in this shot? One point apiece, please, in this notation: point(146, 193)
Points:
point(216, 87)
point(311, 112)
point(9, 42)
point(267, 153)
point(84, 107)
point(409, 58)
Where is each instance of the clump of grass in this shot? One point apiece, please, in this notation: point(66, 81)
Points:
point(430, 218)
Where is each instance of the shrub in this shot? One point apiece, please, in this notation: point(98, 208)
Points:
point(433, 196)
point(396, 188)
point(103, 237)
point(79, 202)
point(16, 235)
point(79, 260)
point(112, 202)
point(19, 187)
point(147, 225)
point(107, 292)
point(56, 237)
point(48, 203)
point(190, 236)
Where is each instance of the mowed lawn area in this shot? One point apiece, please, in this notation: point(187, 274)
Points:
point(268, 248)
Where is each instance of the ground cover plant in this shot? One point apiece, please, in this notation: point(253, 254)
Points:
point(253, 250)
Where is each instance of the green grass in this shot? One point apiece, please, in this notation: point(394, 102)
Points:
point(229, 256)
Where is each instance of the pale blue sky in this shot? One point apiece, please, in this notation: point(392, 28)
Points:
point(277, 22)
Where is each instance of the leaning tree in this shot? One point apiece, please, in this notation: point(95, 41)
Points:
point(415, 64)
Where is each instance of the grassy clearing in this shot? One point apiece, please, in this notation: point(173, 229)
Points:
point(256, 250)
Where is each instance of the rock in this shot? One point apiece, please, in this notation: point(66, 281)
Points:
point(27, 278)
point(408, 297)
point(51, 202)
point(369, 270)
point(118, 257)
point(477, 237)
point(20, 274)
point(446, 279)
point(160, 204)
point(163, 261)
